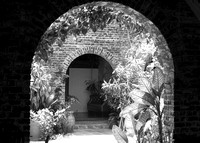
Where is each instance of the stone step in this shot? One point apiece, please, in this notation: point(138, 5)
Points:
point(91, 125)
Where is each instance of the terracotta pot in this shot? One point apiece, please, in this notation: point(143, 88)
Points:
point(68, 122)
point(35, 131)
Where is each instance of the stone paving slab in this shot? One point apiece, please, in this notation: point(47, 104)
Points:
point(92, 125)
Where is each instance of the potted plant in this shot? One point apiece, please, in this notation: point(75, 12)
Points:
point(94, 87)
point(66, 120)
point(45, 122)
point(35, 130)
point(38, 123)
point(113, 119)
point(43, 97)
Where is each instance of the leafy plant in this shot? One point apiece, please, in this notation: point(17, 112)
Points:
point(46, 120)
point(94, 87)
point(137, 86)
point(50, 119)
point(117, 88)
point(70, 99)
point(42, 93)
point(147, 100)
point(79, 21)
point(113, 119)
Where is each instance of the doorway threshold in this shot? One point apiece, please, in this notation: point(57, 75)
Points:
point(85, 116)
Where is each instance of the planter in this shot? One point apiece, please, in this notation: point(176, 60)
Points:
point(68, 122)
point(35, 131)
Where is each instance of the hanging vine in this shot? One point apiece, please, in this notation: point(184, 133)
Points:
point(79, 21)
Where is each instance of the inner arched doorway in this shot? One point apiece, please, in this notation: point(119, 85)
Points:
point(83, 72)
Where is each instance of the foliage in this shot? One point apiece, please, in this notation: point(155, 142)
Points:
point(70, 99)
point(46, 105)
point(42, 93)
point(116, 93)
point(94, 87)
point(147, 99)
point(137, 86)
point(80, 21)
point(113, 119)
point(46, 120)
point(51, 120)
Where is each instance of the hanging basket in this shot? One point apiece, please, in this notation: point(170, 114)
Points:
point(119, 133)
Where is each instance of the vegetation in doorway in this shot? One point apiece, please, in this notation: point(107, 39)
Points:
point(94, 87)
point(113, 119)
point(42, 93)
point(138, 87)
point(54, 120)
point(47, 107)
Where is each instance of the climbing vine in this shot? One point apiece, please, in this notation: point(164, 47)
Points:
point(78, 22)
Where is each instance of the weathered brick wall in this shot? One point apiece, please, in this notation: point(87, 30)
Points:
point(105, 43)
point(180, 27)
point(22, 25)
point(110, 43)
point(187, 60)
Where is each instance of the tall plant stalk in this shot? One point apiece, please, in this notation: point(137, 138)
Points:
point(160, 124)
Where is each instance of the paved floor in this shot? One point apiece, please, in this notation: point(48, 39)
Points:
point(85, 136)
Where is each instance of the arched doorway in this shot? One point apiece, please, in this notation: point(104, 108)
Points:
point(88, 68)
point(110, 30)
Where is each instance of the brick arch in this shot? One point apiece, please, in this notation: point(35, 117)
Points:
point(121, 42)
point(99, 51)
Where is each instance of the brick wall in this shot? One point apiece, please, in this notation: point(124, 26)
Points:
point(22, 25)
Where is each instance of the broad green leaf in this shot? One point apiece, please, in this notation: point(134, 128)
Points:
point(148, 60)
point(50, 99)
point(160, 90)
point(134, 122)
point(142, 119)
point(34, 102)
point(133, 108)
point(144, 84)
point(141, 97)
point(119, 135)
point(158, 78)
point(154, 93)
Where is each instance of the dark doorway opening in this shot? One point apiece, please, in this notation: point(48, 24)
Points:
point(88, 67)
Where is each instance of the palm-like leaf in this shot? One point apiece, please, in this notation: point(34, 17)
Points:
point(142, 119)
point(142, 97)
point(133, 108)
point(50, 99)
point(158, 78)
point(119, 135)
point(144, 84)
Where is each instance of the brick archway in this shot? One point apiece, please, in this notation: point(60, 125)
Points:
point(64, 40)
point(105, 54)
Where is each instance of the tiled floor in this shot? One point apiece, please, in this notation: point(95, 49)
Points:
point(85, 136)
point(86, 132)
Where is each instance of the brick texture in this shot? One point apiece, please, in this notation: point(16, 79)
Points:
point(23, 24)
